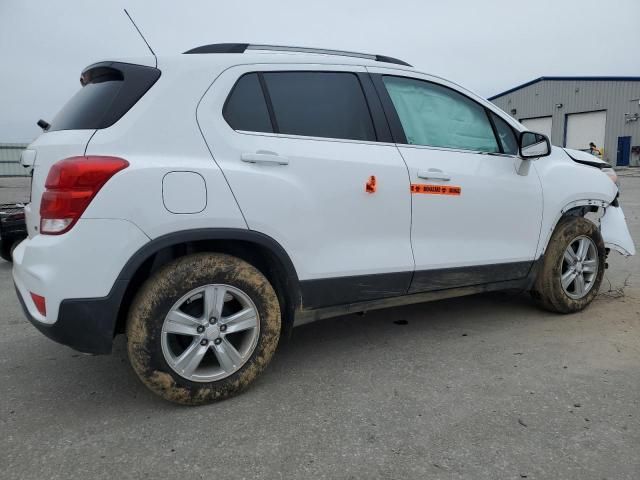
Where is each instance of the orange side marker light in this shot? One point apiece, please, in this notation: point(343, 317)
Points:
point(371, 185)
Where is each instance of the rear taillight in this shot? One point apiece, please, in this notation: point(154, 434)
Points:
point(71, 185)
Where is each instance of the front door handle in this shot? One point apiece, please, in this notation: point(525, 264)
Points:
point(434, 174)
point(266, 158)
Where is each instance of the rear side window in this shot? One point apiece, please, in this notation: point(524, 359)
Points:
point(108, 91)
point(246, 108)
point(319, 104)
point(437, 116)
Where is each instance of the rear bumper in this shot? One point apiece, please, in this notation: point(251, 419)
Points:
point(86, 325)
point(78, 274)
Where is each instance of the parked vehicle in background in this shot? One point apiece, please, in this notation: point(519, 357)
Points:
point(13, 228)
point(207, 204)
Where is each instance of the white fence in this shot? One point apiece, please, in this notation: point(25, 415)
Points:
point(10, 160)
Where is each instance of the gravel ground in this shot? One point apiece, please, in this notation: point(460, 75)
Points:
point(483, 387)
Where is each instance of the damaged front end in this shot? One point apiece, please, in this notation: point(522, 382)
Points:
point(585, 158)
point(613, 225)
point(615, 231)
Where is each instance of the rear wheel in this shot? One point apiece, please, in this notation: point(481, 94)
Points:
point(203, 328)
point(573, 266)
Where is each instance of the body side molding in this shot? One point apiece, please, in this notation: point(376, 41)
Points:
point(329, 292)
point(526, 283)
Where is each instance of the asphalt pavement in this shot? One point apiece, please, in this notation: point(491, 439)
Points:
point(482, 387)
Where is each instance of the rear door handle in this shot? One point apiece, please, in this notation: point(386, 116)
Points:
point(266, 158)
point(434, 174)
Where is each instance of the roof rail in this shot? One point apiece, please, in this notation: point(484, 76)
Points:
point(243, 47)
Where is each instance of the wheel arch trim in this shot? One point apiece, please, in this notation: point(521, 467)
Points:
point(206, 234)
point(565, 211)
point(122, 288)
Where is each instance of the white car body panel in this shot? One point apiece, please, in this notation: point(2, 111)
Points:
point(615, 231)
point(155, 148)
point(316, 206)
point(83, 263)
point(586, 156)
point(474, 228)
point(567, 184)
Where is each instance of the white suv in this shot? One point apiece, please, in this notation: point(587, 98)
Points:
point(205, 203)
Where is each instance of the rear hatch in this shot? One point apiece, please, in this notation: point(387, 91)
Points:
point(109, 90)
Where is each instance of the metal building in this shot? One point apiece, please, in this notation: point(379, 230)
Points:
point(574, 111)
point(10, 160)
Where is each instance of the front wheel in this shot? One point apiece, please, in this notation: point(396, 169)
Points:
point(573, 267)
point(202, 328)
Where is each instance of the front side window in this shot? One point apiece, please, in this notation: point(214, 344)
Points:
point(437, 116)
point(506, 136)
point(319, 104)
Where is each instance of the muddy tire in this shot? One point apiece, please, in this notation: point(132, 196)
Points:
point(203, 328)
point(573, 267)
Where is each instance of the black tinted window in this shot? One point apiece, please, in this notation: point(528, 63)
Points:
point(320, 104)
point(108, 93)
point(506, 136)
point(86, 108)
point(246, 108)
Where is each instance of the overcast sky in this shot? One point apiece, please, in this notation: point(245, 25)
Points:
point(487, 46)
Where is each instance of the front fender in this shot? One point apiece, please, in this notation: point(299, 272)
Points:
point(615, 232)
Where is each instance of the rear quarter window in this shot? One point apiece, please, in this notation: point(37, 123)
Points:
point(109, 91)
point(246, 108)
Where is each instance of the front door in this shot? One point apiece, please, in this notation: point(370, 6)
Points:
point(624, 150)
point(477, 210)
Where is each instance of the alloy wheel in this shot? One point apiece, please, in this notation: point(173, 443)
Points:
point(579, 267)
point(210, 333)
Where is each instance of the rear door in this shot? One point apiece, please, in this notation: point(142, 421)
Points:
point(476, 213)
point(308, 155)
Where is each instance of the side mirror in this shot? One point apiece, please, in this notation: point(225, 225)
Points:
point(533, 145)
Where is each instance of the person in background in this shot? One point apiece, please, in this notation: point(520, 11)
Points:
point(593, 150)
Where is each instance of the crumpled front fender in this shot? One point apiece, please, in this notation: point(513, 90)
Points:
point(615, 232)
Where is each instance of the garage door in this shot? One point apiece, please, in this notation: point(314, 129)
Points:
point(583, 128)
point(538, 125)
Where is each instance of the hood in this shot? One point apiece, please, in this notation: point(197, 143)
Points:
point(586, 158)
